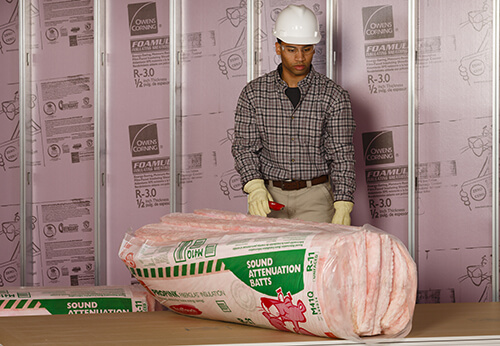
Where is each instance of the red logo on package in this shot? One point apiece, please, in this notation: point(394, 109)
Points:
point(129, 259)
point(185, 309)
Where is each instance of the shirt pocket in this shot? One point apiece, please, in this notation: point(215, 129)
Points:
point(310, 132)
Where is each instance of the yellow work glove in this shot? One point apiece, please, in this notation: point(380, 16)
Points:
point(258, 197)
point(342, 214)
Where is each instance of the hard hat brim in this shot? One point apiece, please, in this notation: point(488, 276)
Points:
point(300, 40)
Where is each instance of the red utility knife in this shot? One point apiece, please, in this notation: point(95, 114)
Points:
point(276, 206)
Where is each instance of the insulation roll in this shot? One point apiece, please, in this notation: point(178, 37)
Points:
point(304, 277)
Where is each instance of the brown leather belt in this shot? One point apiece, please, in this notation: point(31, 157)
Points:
point(297, 184)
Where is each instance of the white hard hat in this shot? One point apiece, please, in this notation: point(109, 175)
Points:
point(297, 24)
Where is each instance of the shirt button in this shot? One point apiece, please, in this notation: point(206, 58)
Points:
point(293, 160)
point(293, 139)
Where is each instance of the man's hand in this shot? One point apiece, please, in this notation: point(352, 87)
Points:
point(258, 197)
point(342, 214)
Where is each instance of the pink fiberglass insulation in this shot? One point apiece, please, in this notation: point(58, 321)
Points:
point(310, 278)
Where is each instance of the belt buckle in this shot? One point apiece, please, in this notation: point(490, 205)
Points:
point(293, 185)
point(285, 184)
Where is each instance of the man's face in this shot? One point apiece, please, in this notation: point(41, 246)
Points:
point(296, 59)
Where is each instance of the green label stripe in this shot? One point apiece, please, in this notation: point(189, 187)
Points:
point(33, 304)
point(266, 272)
point(19, 304)
point(66, 306)
point(71, 306)
point(9, 304)
point(182, 270)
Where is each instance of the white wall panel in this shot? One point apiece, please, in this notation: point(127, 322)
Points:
point(213, 66)
point(372, 66)
point(62, 143)
point(454, 127)
point(10, 271)
point(455, 148)
point(137, 122)
point(453, 143)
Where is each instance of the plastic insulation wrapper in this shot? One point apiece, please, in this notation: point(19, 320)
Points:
point(310, 278)
point(32, 301)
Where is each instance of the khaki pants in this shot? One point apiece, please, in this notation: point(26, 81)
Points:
point(314, 203)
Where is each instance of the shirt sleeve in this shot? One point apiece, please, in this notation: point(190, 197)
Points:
point(246, 144)
point(340, 148)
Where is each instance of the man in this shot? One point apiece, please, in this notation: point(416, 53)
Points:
point(294, 132)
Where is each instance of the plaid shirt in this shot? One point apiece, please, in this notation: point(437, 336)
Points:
point(277, 142)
